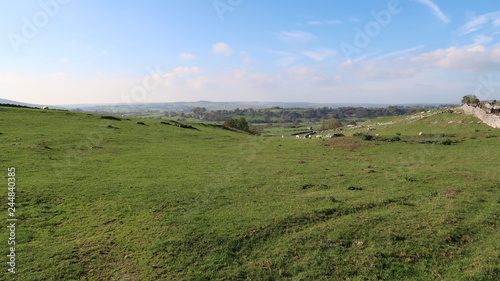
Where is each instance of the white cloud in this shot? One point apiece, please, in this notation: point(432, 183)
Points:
point(222, 49)
point(180, 75)
point(247, 60)
point(186, 56)
point(293, 84)
point(379, 69)
point(480, 22)
point(320, 54)
point(435, 10)
point(296, 37)
point(475, 59)
point(354, 19)
point(314, 22)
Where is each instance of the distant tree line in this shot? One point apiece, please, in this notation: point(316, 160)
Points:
point(17, 105)
point(291, 115)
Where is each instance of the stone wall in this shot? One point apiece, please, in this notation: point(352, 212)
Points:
point(489, 119)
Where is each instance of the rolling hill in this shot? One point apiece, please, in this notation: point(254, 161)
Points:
point(107, 198)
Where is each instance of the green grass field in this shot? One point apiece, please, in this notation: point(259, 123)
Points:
point(101, 199)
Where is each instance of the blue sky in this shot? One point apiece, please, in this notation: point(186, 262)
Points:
point(376, 51)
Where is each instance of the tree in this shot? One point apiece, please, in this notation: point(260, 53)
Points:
point(470, 99)
point(198, 111)
point(239, 123)
point(330, 124)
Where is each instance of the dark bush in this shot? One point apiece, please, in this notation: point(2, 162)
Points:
point(447, 142)
point(111, 118)
point(396, 138)
point(364, 136)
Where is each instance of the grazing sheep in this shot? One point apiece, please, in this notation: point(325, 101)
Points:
point(420, 133)
point(45, 107)
point(297, 137)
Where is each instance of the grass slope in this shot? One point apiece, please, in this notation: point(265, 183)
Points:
point(159, 202)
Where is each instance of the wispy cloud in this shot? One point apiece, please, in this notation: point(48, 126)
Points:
point(435, 10)
point(186, 56)
point(222, 49)
point(476, 59)
point(285, 58)
point(480, 22)
point(320, 22)
point(304, 73)
point(401, 53)
point(296, 36)
point(481, 40)
point(314, 22)
point(320, 54)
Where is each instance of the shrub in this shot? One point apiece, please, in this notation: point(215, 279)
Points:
point(396, 138)
point(364, 136)
point(330, 124)
point(111, 118)
point(447, 142)
point(369, 137)
point(239, 123)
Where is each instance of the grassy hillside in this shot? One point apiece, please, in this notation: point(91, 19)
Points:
point(103, 199)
